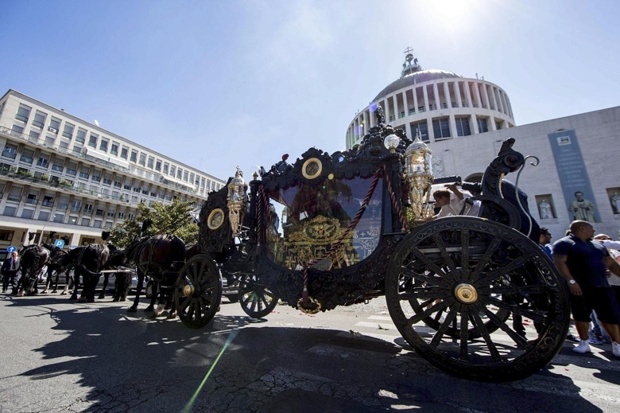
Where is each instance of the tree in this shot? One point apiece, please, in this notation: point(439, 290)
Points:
point(175, 218)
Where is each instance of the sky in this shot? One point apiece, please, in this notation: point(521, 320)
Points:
point(218, 84)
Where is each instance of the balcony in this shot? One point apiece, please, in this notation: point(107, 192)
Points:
point(41, 143)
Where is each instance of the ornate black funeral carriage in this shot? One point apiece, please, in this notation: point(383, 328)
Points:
point(339, 229)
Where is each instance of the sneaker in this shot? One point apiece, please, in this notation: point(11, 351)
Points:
point(572, 338)
point(615, 348)
point(584, 347)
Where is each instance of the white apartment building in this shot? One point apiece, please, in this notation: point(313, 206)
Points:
point(464, 121)
point(63, 176)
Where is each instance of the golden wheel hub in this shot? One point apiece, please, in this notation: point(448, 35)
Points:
point(466, 293)
point(188, 291)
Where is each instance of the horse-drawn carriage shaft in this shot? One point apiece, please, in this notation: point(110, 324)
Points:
point(329, 230)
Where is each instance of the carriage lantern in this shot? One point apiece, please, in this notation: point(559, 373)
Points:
point(419, 178)
point(237, 198)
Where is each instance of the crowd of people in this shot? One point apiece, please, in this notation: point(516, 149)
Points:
point(590, 265)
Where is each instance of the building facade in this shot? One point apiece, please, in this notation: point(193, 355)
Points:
point(64, 178)
point(437, 103)
point(570, 174)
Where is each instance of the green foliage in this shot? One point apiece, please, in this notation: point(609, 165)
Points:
point(174, 219)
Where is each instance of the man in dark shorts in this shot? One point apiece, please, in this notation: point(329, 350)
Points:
point(584, 264)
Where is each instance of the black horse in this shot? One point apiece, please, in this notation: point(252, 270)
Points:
point(33, 259)
point(89, 262)
point(56, 265)
point(122, 278)
point(160, 257)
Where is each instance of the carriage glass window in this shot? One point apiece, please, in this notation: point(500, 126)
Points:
point(316, 223)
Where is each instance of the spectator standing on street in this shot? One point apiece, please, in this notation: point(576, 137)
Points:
point(584, 263)
point(9, 270)
point(544, 240)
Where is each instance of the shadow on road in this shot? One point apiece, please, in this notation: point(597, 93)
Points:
point(128, 362)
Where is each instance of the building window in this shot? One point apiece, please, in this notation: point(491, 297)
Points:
point(68, 130)
point(158, 166)
point(421, 127)
point(27, 213)
point(124, 151)
point(48, 201)
point(482, 125)
point(59, 217)
point(27, 155)
point(9, 151)
point(166, 167)
point(499, 124)
point(92, 140)
point(150, 162)
point(81, 135)
point(54, 126)
point(173, 170)
point(99, 212)
point(39, 119)
point(44, 216)
point(114, 149)
point(103, 145)
point(142, 159)
point(441, 128)
point(34, 136)
point(179, 173)
point(43, 161)
point(31, 199)
point(57, 168)
point(9, 211)
point(85, 222)
point(17, 130)
point(76, 206)
point(73, 220)
point(134, 156)
point(117, 184)
point(23, 113)
point(84, 174)
point(95, 178)
point(462, 126)
point(88, 208)
point(121, 215)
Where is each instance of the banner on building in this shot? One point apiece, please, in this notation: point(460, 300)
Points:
point(574, 180)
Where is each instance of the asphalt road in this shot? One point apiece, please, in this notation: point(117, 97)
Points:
point(61, 356)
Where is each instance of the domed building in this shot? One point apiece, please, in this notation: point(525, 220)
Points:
point(465, 121)
point(437, 103)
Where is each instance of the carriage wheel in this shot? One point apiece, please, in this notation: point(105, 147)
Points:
point(198, 291)
point(256, 300)
point(451, 284)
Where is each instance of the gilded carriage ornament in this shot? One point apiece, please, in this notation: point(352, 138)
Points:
point(312, 168)
point(215, 219)
point(237, 199)
point(418, 164)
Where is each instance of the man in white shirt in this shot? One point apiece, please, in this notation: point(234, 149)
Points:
point(454, 202)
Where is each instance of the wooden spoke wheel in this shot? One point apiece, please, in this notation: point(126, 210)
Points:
point(458, 289)
point(256, 299)
point(198, 291)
